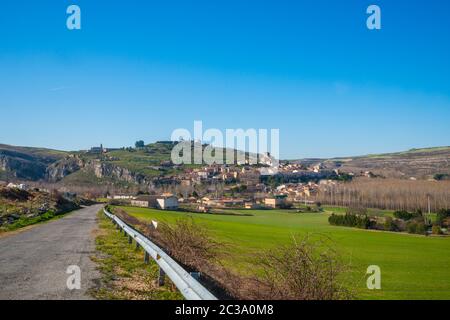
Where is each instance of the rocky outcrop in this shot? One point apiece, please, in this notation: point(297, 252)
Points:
point(102, 170)
point(21, 166)
point(34, 164)
point(61, 169)
point(109, 170)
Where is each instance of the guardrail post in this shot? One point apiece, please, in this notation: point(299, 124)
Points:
point(161, 277)
point(137, 245)
point(130, 239)
point(195, 275)
point(146, 257)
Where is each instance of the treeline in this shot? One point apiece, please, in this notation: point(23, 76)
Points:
point(350, 220)
point(392, 194)
point(403, 221)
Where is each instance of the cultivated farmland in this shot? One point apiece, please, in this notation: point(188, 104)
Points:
point(413, 267)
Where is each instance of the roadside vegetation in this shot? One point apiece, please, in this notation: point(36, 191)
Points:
point(307, 269)
point(125, 275)
point(21, 208)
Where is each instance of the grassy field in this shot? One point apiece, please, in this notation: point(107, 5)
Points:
point(370, 211)
point(413, 267)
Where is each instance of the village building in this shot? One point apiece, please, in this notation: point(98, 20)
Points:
point(203, 208)
point(167, 202)
point(232, 202)
point(97, 149)
point(276, 201)
point(250, 178)
point(121, 197)
point(186, 182)
point(141, 201)
point(252, 205)
point(145, 201)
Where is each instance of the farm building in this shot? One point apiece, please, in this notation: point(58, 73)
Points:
point(145, 201)
point(167, 202)
point(275, 201)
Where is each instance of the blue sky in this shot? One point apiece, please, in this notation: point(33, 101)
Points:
point(140, 69)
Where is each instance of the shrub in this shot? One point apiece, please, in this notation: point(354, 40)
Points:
point(188, 242)
point(405, 215)
point(286, 205)
point(421, 228)
point(304, 270)
point(411, 227)
point(416, 227)
point(351, 220)
point(442, 214)
point(390, 225)
point(436, 230)
point(441, 176)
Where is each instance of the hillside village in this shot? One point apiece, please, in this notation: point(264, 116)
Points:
point(208, 187)
point(141, 174)
point(224, 186)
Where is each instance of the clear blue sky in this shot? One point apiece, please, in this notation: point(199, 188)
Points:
point(140, 69)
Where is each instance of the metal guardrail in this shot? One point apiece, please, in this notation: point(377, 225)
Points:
point(189, 287)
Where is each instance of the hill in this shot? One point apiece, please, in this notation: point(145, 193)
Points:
point(120, 167)
point(127, 167)
point(422, 163)
point(26, 163)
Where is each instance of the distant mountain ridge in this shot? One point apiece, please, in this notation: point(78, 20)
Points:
point(420, 163)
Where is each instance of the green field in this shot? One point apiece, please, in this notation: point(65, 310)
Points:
point(413, 267)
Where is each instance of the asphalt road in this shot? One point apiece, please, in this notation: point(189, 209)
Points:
point(33, 263)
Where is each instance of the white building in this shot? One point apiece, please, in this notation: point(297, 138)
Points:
point(123, 197)
point(18, 186)
point(167, 202)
